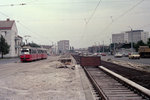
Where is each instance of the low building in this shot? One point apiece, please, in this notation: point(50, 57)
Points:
point(9, 31)
point(48, 49)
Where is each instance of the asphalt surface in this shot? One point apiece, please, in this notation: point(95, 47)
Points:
point(140, 61)
point(9, 60)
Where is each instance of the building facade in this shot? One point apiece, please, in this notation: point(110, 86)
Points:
point(63, 46)
point(48, 49)
point(130, 36)
point(9, 31)
point(118, 38)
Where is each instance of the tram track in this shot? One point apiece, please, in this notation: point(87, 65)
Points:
point(118, 89)
point(140, 77)
point(111, 88)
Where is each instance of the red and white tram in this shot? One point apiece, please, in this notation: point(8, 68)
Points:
point(32, 54)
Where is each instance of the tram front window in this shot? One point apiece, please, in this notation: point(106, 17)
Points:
point(25, 52)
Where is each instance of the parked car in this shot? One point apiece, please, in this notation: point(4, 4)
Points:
point(125, 54)
point(103, 54)
point(118, 55)
point(134, 55)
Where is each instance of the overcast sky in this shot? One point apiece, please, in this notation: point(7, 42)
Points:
point(48, 21)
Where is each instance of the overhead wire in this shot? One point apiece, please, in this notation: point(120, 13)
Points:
point(3, 14)
point(94, 11)
point(72, 2)
point(129, 10)
point(88, 20)
point(143, 26)
point(22, 25)
point(123, 14)
point(21, 4)
point(31, 1)
point(36, 36)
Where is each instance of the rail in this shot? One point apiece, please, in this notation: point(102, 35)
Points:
point(113, 93)
point(127, 81)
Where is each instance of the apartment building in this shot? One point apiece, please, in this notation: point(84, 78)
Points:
point(130, 36)
point(118, 38)
point(63, 46)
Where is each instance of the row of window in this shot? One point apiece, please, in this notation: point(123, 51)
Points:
point(33, 51)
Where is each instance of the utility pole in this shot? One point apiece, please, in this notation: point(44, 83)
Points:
point(131, 39)
point(99, 47)
point(103, 46)
point(95, 47)
point(110, 46)
point(114, 49)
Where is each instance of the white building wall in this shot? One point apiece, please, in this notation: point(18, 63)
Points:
point(137, 36)
point(13, 35)
point(63, 46)
point(145, 36)
point(9, 36)
point(118, 38)
point(134, 37)
point(127, 37)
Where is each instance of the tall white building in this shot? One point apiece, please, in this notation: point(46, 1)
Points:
point(9, 31)
point(118, 38)
point(63, 46)
point(130, 36)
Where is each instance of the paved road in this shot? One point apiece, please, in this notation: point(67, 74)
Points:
point(141, 60)
point(10, 60)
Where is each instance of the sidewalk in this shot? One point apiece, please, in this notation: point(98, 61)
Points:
point(9, 60)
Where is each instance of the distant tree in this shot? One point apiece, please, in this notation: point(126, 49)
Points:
point(138, 44)
point(34, 45)
point(126, 45)
point(4, 47)
point(71, 49)
point(148, 42)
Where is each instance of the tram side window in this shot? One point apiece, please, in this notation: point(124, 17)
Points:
point(45, 51)
point(39, 51)
point(33, 51)
point(30, 52)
